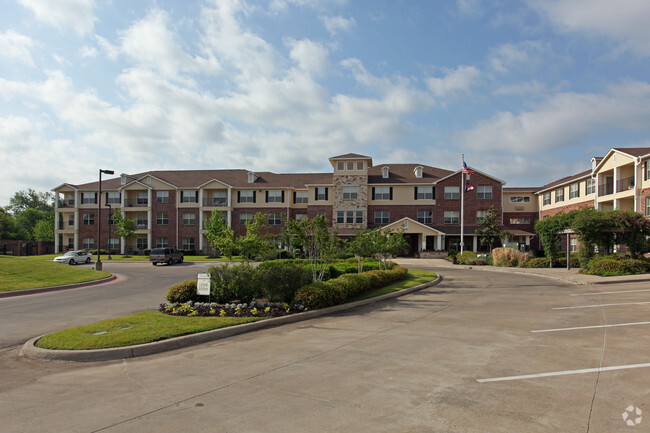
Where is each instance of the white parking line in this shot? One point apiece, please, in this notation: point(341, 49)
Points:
point(614, 325)
point(600, 305)
point(610, 293)
point(564, 373)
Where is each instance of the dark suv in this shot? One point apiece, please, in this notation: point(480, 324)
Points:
point(165, 255)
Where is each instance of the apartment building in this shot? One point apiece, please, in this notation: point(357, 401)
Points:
point(171, 207)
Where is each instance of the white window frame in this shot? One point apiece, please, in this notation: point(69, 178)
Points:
point(350, 192)
point(162, 196)
point(574, 190)
point(113, 197)
point(220, 198)
point(519, 220)
point(189, 244)
point(189, 219)
point(321, 193)
point(559, 197)
point(302, 197)
point(274, 196)
point(590, 186)
point(88, 243)
point(425, 217)
point(382, 193)
point(423, 194)
point(162, 218)
point(88, 198)
point(141, 243)
point(247, 196)
point(452, 217)
point(452, 193)
point(519, 199)
point(245, 217)
point(274, 218)
point(547, 198)
point(382, 217)
point(189, 198)
point(480, 216)
point(484, 192)
point(142, 198)
point(573, 244)
point(113, 244)
point(162, 242)
point(141, 221)
point(88, 219)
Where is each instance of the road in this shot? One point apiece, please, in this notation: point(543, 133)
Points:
point(480, 352)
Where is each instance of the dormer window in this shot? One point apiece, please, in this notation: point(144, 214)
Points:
point(385, 171)
point(251, 177)
point(418, 171)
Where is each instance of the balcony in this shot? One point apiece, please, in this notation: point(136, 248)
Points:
point(215, 201)
point(65, 203)
point(625, 184)
point(605, 189)
point(141, 225)
point(136, 202)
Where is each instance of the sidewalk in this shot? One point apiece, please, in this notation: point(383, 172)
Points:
point(571, 275)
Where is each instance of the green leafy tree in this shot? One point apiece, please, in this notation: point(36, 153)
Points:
point(490, 232)
point(124, 227)
point(44, 229)
point(27, 219)
point(30, 199)
point(388, 244)
point(550, 234)
point(631, 229)
point(313, 237)
point(8, 229)
point(220, 235)
point(362, 246)
point(257, 242)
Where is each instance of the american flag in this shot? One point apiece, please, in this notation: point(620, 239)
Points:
point(467, 170)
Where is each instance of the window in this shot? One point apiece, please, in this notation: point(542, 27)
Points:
point(70, 220)
point(113, 198)
point(143, 198)
point(382, 193)
point(220, 198)
point(189, 244)
point(647, 206)
point(141, 221)
point(519, 199)
point(573, 244)
point(591, 186)
point(114, 244)
point(480, 215)
point(519, 220)
point(484, 192)
point(189, 219)
point(547, 198)
point(321, 213)
point(340, 166)
point(350, 192)
point(350, 165)
point(88, 198)
point(275, 219)
point(275, 196)
point(418, 172)
point(88, 243)
point(162, 243)
point(321, 193)
point(425, 217)
point(162, 196)
point(189, 196)
point(452, 193)
point(246, 197)
point(301, 197)
point(349, 217)
point(385, 171)
point(141, 243)
point(452, 217)
point(574, 190)
point(382, 217)
point(559, 195)
point(359, 165)
point(89, 219)
point(162, 218)
point(301, 216)
point(424, 193)
point(244, 218)
point(646, 171)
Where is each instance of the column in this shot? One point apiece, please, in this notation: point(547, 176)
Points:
point(475, 243)
point(439, 242)
point(57, 218)
point(122, 245)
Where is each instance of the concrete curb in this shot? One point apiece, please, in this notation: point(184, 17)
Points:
point(56, 288)
point(29, 349)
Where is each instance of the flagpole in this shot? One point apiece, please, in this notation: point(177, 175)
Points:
point(462, 204)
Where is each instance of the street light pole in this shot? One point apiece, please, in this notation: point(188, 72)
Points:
point(110, 214)
point(98, 264)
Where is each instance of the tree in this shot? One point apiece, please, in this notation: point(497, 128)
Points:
point(8, 228)
point(124, 227)
point(256, 242)
point(631, 229)
point(316, 241)
point(30, 199)
point(388, 244)
point(550, 231)
point(27, 219)
point(362, 246)
point(44, 229)
point(490, 231)
point(220, 235)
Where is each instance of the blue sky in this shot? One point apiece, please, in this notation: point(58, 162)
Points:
point(529, 91)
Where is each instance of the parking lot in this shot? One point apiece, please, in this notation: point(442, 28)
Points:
point(482, 351)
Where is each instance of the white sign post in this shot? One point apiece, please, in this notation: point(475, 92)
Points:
point(203, 285)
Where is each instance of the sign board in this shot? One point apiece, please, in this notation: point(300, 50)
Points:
point(203, 284)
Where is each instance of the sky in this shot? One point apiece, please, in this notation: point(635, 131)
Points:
point(527, 90)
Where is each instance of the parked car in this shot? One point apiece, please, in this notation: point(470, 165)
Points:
point(74, 257)
point(165, 255)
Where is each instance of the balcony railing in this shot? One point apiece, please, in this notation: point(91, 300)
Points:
point(65, 203)
point(215, 202)
point(625, 184)
point(141, 226)
point(605, 189)
point(136, 202)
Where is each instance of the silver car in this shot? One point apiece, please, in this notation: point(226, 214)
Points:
point(74, 257)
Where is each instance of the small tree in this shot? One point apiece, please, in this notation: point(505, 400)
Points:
point(124, 227)
point(362, 246)
point(220, 235)
point(550, 231)
point(44, 229)
point(490, 231)
point(256, 242)
point(388, 244)
point(316, 241)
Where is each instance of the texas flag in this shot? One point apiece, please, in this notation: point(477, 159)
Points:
point(468, 186)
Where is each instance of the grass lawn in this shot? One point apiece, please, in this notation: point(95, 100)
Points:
point(18, 273)
point(145, 327)
point(151, 326)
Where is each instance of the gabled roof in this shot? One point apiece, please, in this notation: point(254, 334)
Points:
point(632, 152)
point(503, 182)
point(405, 174)
point(351, 156)
point(564, 181)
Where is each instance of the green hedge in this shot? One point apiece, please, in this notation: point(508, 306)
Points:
point(280, 279)
point(611, 266)
point(183, 292)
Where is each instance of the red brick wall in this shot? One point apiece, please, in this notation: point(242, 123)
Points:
point(471, 201)
point(169, 230)
point(645, 193)
point(396, 213)
point(241, 229)
point(566, 209)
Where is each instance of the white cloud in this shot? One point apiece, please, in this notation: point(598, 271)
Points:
point(77, 15)
point(469, 7)
point(563, 120)
point(309, 55)
point(334, 24)
point(455, 82)
point(15, 46)
point(508, 56)
point(625, 21)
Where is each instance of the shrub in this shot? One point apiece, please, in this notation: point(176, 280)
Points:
point(537, 262)
point(183, 292)
point(282, 278)
point(239, 283)
point(354, 284)
point(464, 257)
point(477, 262)
point(607, 267)
point(508, 257)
